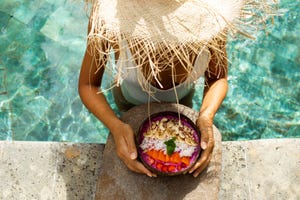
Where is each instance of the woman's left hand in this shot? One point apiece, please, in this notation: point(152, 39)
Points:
point(205, 125)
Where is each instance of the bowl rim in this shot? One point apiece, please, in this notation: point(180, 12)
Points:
point(176, 115)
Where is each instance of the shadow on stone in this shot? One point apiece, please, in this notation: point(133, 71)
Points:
point(77, 170)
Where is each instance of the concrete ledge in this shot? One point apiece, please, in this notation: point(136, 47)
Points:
point(258, 169)
point(46, 170)
point(261, 169)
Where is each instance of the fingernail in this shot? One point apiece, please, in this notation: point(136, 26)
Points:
point(133, 156)
point(203, 145)
point(149, 175)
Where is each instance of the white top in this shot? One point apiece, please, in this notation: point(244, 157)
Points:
point(132, 78)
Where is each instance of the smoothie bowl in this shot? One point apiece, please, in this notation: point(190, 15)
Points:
point(168, 143)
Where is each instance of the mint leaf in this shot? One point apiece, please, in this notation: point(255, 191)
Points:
point(170, 146)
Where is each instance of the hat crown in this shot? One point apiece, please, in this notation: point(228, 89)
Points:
point(168, 20)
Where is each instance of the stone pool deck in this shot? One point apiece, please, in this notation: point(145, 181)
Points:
point(257, 169)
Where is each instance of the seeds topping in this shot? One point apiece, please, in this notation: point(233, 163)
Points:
point(169, 128)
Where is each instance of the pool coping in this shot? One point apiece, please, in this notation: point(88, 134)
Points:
point(255, 169)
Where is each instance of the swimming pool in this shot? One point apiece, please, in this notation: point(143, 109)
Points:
point(41, 53)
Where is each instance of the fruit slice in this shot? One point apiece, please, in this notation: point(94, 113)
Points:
point(161, 156)
point(150, 160)
point(159, 166)
point(175, 157)
point(171, 168)
point(179, 167)
point(165, 168)
point(150, 153)
point(186, 160)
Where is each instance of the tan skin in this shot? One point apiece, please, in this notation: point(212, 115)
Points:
point(214, 92)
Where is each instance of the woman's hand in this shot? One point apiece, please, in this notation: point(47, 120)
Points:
point(205, 125)
point(126, 149)
point(215, 90)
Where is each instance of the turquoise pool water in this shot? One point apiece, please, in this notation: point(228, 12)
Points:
point(42, 45)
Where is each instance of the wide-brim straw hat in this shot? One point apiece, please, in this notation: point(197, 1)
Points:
point(177, 26)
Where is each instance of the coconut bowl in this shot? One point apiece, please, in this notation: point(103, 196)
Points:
point(168, 143)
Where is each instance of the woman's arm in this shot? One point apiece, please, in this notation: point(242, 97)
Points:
point(215, 90)
point(89, 83)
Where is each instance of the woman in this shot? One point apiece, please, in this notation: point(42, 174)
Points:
point(157, 68)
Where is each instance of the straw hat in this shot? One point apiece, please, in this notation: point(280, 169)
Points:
point(168, 20)
point(177, 26)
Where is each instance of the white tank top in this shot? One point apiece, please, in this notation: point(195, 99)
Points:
point(132, 78)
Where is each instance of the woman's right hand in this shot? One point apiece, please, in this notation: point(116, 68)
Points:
point(126, 149)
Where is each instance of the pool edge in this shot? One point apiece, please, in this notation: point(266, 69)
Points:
point(254, 169)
